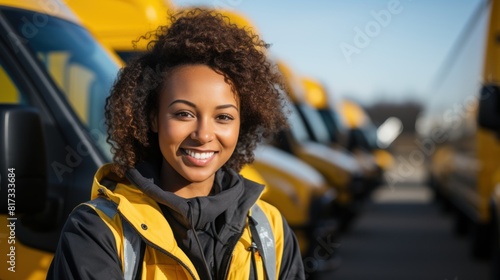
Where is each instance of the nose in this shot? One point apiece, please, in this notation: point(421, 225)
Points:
point(204, 132)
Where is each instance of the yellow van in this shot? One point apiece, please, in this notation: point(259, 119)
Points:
point(340, 168)
point(363, 134)
point(54, 78)
point(349, 127)
point(460, 133)
point(300, 192)
point(488, 146)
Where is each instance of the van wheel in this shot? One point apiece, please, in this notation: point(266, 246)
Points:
point(495, 252)
point(495, 262)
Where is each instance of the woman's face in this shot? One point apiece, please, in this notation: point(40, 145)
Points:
point(198, 123)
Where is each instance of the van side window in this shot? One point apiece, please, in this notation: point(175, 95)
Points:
point(9, 91)
point(73, 79)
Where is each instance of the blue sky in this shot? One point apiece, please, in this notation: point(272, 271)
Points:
point(368, 50)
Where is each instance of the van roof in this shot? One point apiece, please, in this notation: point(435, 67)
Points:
point(51, 7)
point(316, 94)
point(354, 114)
point(118, 23)
point(294, 86)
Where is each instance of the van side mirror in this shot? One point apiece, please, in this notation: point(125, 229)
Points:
point(489, 108)
point(23, 167)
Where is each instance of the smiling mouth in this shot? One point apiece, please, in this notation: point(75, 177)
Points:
point(198, 155)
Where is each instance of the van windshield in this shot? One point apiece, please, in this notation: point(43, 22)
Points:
point(77, 64)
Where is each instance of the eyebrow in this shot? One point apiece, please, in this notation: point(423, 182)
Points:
point(191, 104)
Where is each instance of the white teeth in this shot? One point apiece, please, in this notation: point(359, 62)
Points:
point(199, 155)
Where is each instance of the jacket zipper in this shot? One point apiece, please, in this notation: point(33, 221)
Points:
point(151, 244)
point(233, 245)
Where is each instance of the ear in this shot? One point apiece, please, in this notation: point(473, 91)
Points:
point(154, 122)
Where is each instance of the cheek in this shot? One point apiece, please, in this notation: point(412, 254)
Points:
point(170, 133)
point(231, 135)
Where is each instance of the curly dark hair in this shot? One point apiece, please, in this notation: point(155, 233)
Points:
point(196, 36)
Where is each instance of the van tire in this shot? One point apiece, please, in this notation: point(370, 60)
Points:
point(495, 244)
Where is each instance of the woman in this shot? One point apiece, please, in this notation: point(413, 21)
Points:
point(183, 118)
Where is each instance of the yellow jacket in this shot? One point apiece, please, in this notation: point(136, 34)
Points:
point(162, 257)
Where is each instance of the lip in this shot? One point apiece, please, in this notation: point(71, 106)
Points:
point(204, 156)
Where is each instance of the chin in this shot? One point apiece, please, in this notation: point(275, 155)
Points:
point(198, 178)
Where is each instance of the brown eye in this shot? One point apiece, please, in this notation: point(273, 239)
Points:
point(225, 117)
point(184, 115)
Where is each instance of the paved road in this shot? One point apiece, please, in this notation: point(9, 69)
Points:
point(403, 235)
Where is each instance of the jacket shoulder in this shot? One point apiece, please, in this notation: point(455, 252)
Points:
point(270, 210)
point(108, 215)
point(85, 241)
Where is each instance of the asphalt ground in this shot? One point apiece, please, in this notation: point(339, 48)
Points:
point(402, 233)
point(405, 240)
